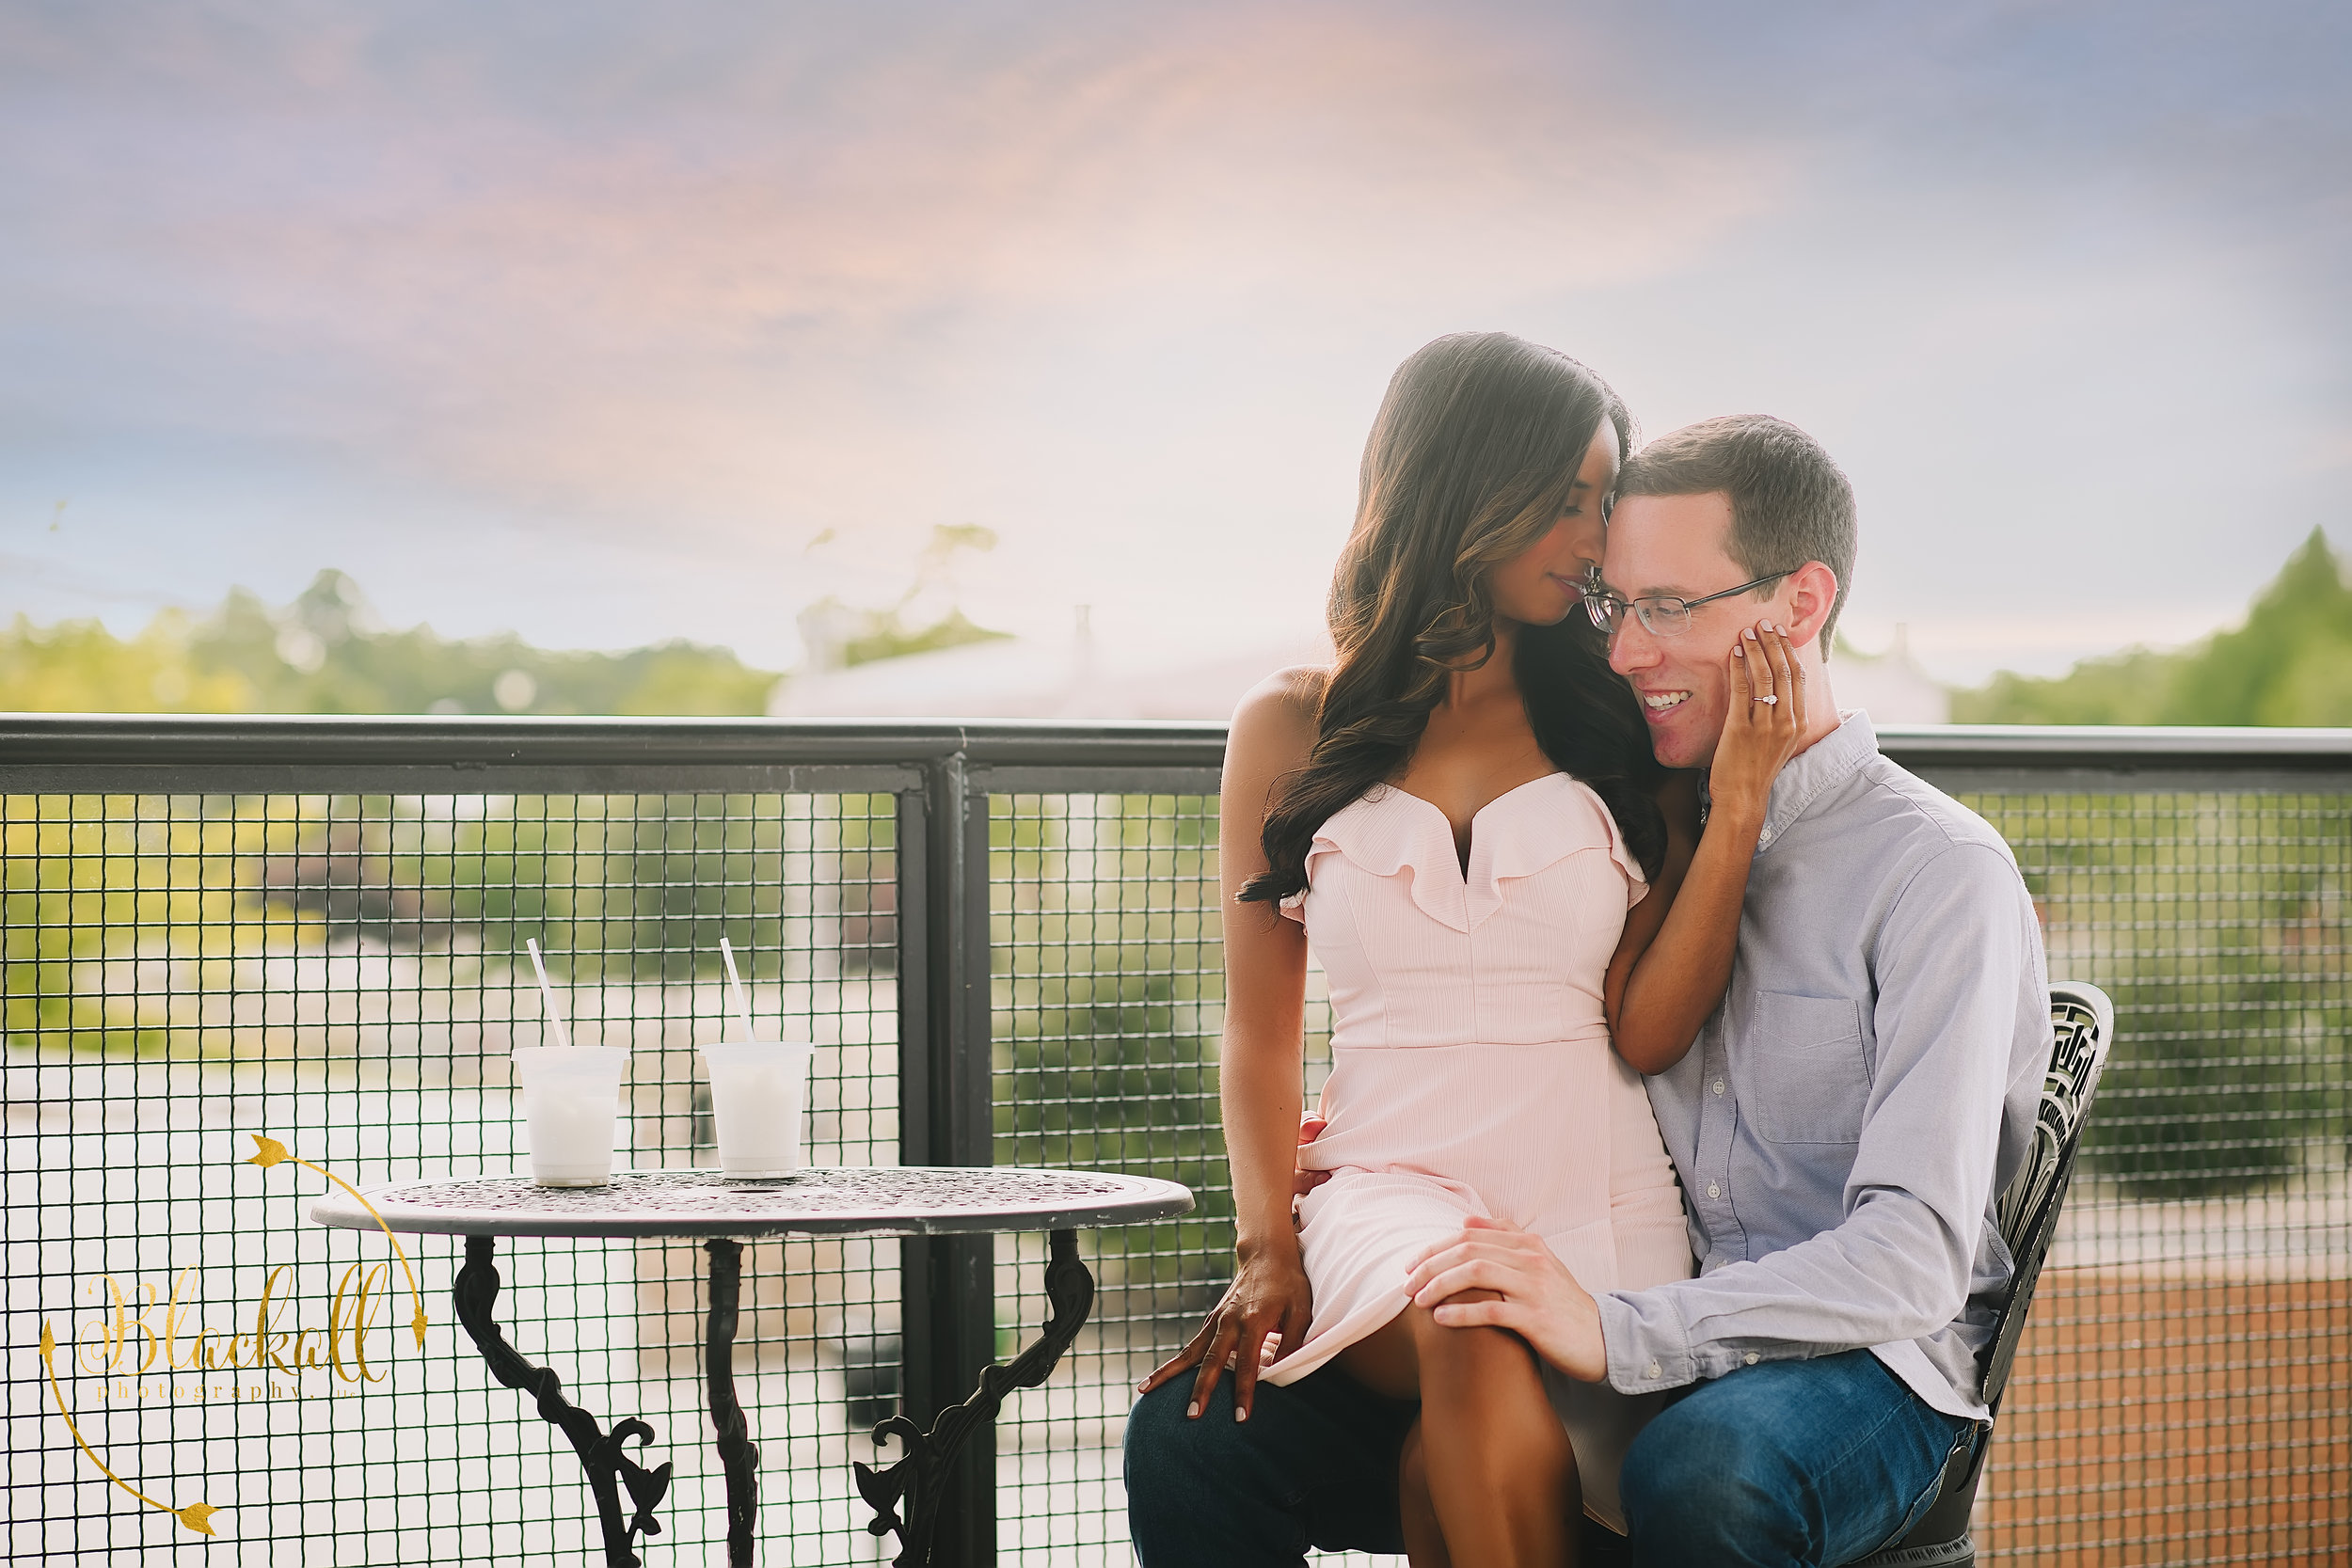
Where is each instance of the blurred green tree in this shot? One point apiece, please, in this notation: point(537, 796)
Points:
point(840, 637)
point(2291, 663)
point(80, 666)
point(327, 653)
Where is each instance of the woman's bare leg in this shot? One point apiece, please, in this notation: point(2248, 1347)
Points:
point(1501, 1477)
point(1424, 1543)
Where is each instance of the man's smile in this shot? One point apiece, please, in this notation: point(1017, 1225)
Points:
point(1660, 703)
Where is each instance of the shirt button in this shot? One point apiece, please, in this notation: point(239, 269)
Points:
point(1719, 1086)
point(1653, 1369)
point(1751, 1359)
point(1714, 1190)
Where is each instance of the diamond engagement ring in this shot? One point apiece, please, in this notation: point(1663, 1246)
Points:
point(1769, 697)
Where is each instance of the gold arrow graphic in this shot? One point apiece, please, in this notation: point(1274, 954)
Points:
point(269, 1151)
point(197, 1516)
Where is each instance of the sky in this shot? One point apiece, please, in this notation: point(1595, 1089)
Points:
point(609, 323)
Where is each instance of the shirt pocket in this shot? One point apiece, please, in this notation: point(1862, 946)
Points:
point(1808, 1073)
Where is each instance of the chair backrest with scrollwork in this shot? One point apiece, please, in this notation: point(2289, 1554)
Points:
point(2083, 1021)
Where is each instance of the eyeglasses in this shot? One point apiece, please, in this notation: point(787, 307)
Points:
point(1661, 614)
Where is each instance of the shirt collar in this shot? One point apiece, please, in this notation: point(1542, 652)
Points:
point(1813, 772)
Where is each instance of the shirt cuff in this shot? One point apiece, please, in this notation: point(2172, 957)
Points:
point(1647, 1343)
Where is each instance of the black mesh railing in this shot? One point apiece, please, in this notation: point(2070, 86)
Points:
point(1004, 938)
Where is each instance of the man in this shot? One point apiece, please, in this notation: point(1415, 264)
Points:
point(1840, 1126)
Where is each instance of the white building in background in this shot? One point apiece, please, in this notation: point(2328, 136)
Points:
point(1083, 677)
point(1890, 687)
point(1079, 677)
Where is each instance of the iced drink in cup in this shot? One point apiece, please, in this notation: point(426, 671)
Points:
point(758, 1090)
point(572, 1100)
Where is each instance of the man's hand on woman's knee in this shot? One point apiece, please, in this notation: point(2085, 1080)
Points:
point(1535, 1294)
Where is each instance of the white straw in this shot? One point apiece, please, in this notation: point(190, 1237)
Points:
point(735, 984)
point(547, 992)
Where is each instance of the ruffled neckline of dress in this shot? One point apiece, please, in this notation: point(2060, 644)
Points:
point(1520, 832)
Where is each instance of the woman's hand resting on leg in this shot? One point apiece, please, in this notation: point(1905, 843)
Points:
point(1269, 1295)
point(1271, 1289)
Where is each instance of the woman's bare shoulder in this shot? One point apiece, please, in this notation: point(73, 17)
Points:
point(1274, 723)
point(1286, 702)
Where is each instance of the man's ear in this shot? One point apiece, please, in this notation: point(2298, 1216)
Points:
point(1812, 594)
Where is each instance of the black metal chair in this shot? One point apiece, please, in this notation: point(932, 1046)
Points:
point(2084, 1019)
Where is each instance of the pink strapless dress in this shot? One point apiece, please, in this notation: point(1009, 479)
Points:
point(1472, 1073)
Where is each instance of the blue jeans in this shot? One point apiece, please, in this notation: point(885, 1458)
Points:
point(1315, 1466)
point(1785, 1462)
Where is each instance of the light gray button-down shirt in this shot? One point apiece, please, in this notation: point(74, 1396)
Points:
point(1843, 1121)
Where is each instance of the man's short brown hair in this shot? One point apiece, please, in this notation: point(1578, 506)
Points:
point(1789, 503)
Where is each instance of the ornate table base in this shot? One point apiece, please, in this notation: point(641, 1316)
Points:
point(739, 1456)
point(602, 1453)
point(914, 1479)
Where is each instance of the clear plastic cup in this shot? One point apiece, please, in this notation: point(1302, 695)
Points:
point(758, 1090)
point(572, 1101)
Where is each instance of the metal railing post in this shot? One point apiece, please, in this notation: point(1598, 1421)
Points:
point(948, 1283)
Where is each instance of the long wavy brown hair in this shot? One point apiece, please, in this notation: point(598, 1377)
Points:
point(1470, 463)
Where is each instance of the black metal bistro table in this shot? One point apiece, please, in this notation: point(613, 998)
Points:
point(911, 1200)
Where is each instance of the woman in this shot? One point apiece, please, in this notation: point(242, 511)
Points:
point(1463, 815)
